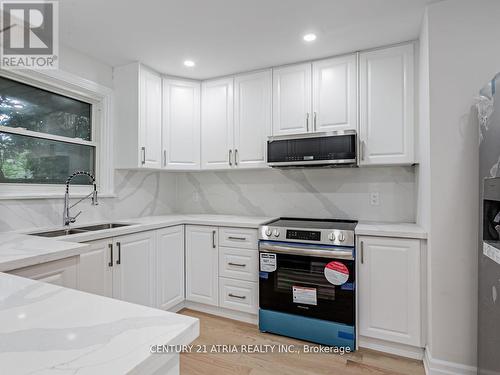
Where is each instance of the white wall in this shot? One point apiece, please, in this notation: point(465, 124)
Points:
point(338, 193)
point(463, 55)
point(77, 63)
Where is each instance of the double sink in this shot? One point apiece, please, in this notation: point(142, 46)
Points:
point(69, 231)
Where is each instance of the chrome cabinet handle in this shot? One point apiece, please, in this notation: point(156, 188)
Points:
point(110, 264)
point(164, 158)
point(236, 296)
point(237, 238)
point(307, 121)
point(213, 240)
point(119, 260)
point(314, 121)
point(143, 155)
point(363, 150)
point(237, 264)
point(236, 157)
point(230, 155)
point(362, 252)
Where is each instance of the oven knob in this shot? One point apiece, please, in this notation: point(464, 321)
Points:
point(276, 233)
point(341, 237)
point(268, 232)
point(331, 236)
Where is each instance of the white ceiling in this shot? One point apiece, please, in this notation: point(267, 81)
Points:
point(229, 36)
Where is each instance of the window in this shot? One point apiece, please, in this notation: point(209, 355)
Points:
point(44, 136)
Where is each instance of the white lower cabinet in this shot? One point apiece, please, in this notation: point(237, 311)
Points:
point(95, 274)
point(170, 266)
point(63, 272)
point(241, 264)
point(202, 284)
point(238, 295)
point(134, 272)
point(389, 289)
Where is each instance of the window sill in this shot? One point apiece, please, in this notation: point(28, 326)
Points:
point(27, 196)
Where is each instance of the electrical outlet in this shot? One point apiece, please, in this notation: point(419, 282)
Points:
point(374, 198)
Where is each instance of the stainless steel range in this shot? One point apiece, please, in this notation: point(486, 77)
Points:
point(307, 280)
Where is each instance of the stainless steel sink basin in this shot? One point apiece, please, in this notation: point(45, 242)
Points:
point(59, 232)
point(92, 228)
point(89, 228)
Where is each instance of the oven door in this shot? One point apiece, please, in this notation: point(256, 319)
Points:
point(318, 286)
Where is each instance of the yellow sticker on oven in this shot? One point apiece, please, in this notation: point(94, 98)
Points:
point(336, 273)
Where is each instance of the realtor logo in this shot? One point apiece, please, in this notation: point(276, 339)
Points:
point(29, 34)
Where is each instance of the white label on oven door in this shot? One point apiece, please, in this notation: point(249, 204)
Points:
point(491, 252)
point(303, 295)
point(267, 262)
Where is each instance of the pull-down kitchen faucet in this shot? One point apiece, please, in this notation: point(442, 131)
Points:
point(67, 219)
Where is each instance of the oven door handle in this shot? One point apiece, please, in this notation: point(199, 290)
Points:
point(281, 249)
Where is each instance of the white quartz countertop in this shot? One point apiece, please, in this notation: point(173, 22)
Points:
point(19, 250)
point(400, 230)
point(47, 329)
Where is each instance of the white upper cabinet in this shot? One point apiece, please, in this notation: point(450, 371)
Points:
point(217, 124)
point(138, 92)
point(150, 118)
point(252, 119)
point(181, 124)
point(334, 96)
point(390, 289)
point(387, 106)
point(292, 99)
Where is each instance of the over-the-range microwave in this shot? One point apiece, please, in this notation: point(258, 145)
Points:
point(327, 149)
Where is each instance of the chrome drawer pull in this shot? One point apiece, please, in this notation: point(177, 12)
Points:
point(237, 264)
point(237, 238)
point(236, 296)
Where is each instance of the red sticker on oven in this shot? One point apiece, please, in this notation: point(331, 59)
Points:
point(336, 273)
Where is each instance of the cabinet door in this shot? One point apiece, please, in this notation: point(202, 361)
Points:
point(292, 99)
point(150, 119)
point(389, 289)
point(134, 268)
point(217, 124)
point(252, 119)
point(335, 94)
point(95, 272)
point(387, 106)
point(202, 264)
point(181, 124)
point(170, 266)
point(61, 272)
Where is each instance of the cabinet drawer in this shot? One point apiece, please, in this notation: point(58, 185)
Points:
point(238, 263)
point(238, 295)
point(238, 237)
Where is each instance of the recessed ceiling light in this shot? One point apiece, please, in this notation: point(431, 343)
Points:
point(310, 37)
point(189, 63)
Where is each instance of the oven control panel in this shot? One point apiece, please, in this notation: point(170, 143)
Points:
point(308, 235)
point(320, 236)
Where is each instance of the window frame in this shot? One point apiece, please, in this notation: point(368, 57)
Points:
point(75, 87)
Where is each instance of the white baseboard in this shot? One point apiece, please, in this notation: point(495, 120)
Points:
point(220, 311)
point(401, 350)
point(435, 366)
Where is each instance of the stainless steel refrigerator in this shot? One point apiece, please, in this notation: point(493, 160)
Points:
point(488, 109)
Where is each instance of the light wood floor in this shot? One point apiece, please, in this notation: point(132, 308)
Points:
point(217, 330)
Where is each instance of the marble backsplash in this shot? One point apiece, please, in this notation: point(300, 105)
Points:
point(334, 193)
point(137, 193)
